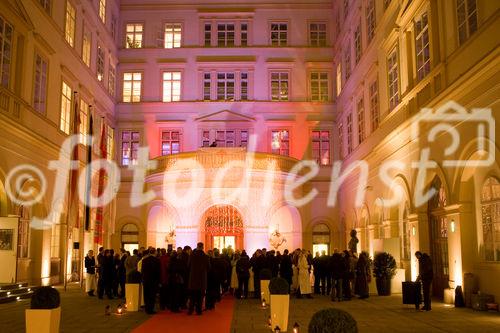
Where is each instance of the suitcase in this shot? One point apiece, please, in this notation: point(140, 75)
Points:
point(412, 293)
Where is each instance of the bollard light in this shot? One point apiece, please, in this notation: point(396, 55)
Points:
point(119, 309)
point(277, 329)
point(269, 321)
point(263, 303)
point(296, 328)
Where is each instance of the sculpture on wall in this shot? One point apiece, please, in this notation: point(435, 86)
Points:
point(277, 239)
point(170, 238)
point(353, 243)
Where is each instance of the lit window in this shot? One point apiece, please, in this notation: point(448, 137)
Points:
point(69, 30)
point(55, 241)
point(341, 139)
point(46, 5)
point(279, 86)
point(110, 142)
point(357, 43)
point(84, 116)
point(134, 36)
point(321, 147)
point(6, 34)
point(244, 86)
point(171, 86)
point(467, 19)
point(339, 78)
point(317, 34)
point(319, 87)
point(173, 33)
point(244, 34)
point(207, 84)
point(100, 63)
point(132, 87)
point(130, 147)
point(170, 142)
point(490, 216)
point(225, 34)
point(66, 99)
point(370, 20)
point(111, 80)
point(347, 62)
point(422, 47)
point(280, 142)
point(86, 47)
point(225, 138)
point(374, 106)
point(279, 34)
point(225, 86)
point(393, 78)
point(40, 84)
point(102, 10)
point(205, 138)
point(243, 138)
point(361, 121)
point(349, 133)
point(208, 34)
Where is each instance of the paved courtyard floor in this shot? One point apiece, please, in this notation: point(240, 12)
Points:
point(81, 313)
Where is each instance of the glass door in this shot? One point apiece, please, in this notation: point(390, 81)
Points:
point(222, 242)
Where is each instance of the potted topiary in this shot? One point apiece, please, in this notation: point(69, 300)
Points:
point(280, 301)
point(265, 276)
point(44, 316)
point(332, 320)
point(384, 269)
point(133, 290)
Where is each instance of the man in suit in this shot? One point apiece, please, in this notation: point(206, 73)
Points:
point(425, 274)
point(199, 264)
point(150, 280)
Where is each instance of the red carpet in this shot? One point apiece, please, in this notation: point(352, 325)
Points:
point(214, 321)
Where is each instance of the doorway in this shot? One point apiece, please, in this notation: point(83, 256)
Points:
point(223, 227)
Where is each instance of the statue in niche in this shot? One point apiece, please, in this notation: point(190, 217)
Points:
point(353, 243)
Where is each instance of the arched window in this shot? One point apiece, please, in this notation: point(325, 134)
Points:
point(130, 237)
point(490, 212)
point(321, 238)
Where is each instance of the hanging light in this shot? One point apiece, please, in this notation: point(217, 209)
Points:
point(296, 327)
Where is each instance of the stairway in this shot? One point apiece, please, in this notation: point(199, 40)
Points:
point(15, 292)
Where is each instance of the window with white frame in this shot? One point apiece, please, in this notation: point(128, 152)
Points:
point(40, 84)
point(134, 35)
point(279, 86)
point(490, 216)
point(244, 34)
point(319, 84)
point(132, 87)
point(102, 10)
point(466, 18)
point(225, 34)
point(84, 118)
point(347, 62)
point(205, 138)
point(173, 35)
point(244, 138)
point(361, 121)
point(357, 43)
point(279, 34)
point(66, 101)
point(225, 86)
point(171, 86)
point(86, 46)
point(341, 139)
point(339, 78)
point(244, 86)
point(6, 36)
point(100, 63)
point(208, 34)
point(224, 137)
point(393, 78)
point(422, 46)
point(207, 86)
point(55, 241)
point(69, 28)
point(317, 34)
point(170, 142)
point(111, 80)
point(45, 5)
point(370, 20)
point(374, 105)
point(129, 147)
point(349, 133)
point(280, 142)
point(110, 142)
point(321, 147)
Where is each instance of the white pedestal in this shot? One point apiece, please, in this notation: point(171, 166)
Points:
point(279, 311)
point(264, 291)
point(43, 320)
point(132, 296)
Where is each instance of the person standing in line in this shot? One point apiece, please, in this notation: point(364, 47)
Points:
point(164, 279)
point(131, 263)
point(326, 277)
point(425, 274)
point(175, 283)
point(108, 275)
point(337, 272)
point(316, 263)
point(286, 269)
point(122, 274)
point(99, 271)
point(304, 277)
point(243, 273)
point(199, 264)
point(90, 283)
point(150, 280)
point(363, 276)
point(348, 274)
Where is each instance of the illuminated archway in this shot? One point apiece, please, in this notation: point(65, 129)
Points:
point(223, 227)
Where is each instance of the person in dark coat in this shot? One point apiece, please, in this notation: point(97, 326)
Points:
point(363, 276)
point(256, 263)
point(336, 268)
point(175, 282)
point(326, 278)
point(150, 280)
point(164, 279)
point(425, 274)
point(99, 271)
point(347, 275)
point(215, 279)
point(108, 273)
point(199, 264)
point(90, 276)
point(316, 263)
point(183, 260)
point(286, 269)
point(122, 273)
point(243, 272)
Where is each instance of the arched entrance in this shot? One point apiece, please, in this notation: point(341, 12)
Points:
point(223, 227)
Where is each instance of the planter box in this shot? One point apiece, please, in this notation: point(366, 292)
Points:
point(264, 291)
point(43, 320)
point(279, 311)
point(132, 296)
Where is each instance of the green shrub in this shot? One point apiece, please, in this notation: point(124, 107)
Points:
point(278, 286)
point(384, 265)
point(45, 298)
point(265, 274)
point(332, 321)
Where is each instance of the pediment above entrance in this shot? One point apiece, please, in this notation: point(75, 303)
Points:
point(225, 116)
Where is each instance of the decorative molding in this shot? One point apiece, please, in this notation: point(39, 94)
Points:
point(226, 58)
point(132, 60)
point(171, 60)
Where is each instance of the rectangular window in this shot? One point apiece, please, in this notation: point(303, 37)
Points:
point(132, 87)
point(84, 116)
point(171, 86)
point(66, 102)
point(341, 139)
point(244, 34)
point(339, 78)
point(205, 138)
point(349, 133)
point(208, 34)
point(279, 86)
point(86, 46)
point(243, 138)
point(422, 46)
point(347, 62)
point(173, 34)
point(357, 43)
point(207, 86)
point(130, 146)
point(244, 86)
point(45, 5)
point(321, 147)
point(374, 106)
point(279, 34)
point(6, 35)
point(110, 143)
point(69, 30)
point(317, 34)
point(225, 34)
point(280, 142)
point(225, 138)
point(393, 78)
point(466, 18)
point(361, 121)
point(40, 84)
point(100, 63)
point(111, 80)
point(225, 86)
point(134, 35)
point(370, 20)
point(54, 241)
point(102, 10)
point(170, 142)
point(319, 87)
